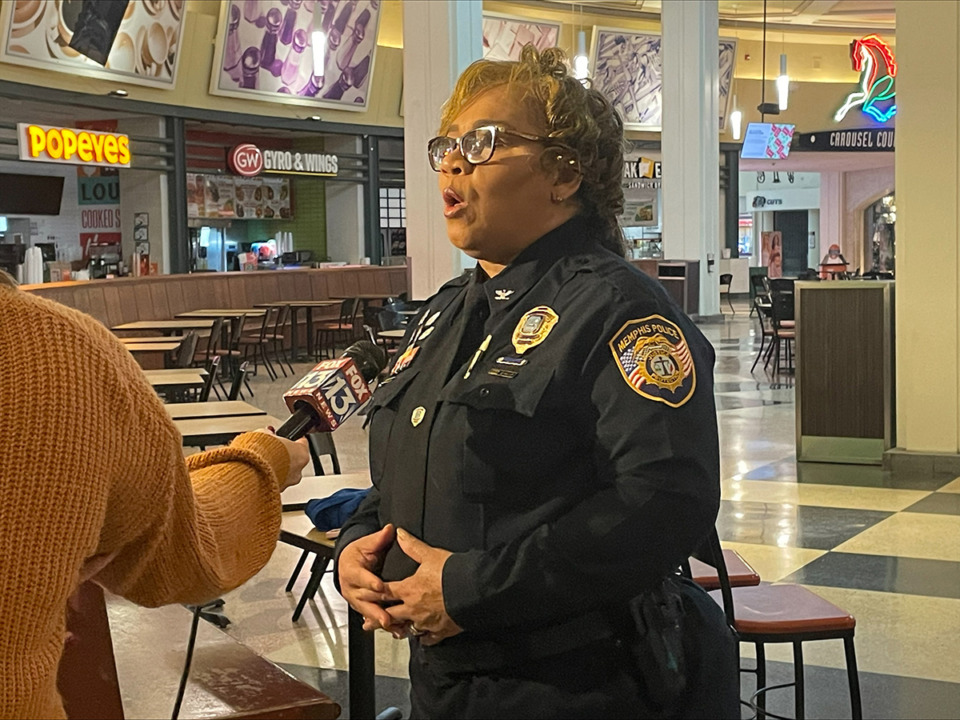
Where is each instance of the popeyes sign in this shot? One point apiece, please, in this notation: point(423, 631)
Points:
point(43, 143)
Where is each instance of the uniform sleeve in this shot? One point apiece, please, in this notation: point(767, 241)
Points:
point(184, 531)
point(657, 497)
point(364, 521)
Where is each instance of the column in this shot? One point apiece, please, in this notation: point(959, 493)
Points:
point(691, 141)
point(928, 227)
point(145, 191)
point(345, 211)
point(440, 39)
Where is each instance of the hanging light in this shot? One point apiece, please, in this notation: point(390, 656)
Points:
point(736, 119)
point(783, 83)
point(318, 40)
point(581, 64)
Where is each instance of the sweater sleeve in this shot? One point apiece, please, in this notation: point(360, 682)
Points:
point(184, 530)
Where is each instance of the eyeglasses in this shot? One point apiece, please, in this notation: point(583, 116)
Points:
point(476, 146)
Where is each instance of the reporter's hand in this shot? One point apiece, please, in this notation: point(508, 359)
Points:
point(299, 453)
point(363, 590)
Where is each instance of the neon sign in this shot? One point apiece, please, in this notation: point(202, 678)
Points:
point(878, 68)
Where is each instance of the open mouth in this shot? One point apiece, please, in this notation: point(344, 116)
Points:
point(452, 203)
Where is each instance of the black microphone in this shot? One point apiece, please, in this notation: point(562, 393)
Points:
point(333, 391)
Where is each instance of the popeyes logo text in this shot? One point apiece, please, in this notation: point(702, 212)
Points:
point(73, 146)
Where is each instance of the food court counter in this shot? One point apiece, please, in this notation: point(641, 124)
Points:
point(159, 297)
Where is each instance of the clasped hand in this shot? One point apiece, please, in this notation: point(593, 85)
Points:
point(413, 606)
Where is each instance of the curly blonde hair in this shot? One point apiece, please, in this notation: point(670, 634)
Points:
point(578, 118)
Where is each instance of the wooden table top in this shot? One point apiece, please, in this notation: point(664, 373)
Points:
point(172, 373)
point(223, 312)
point(365, 296)
point(319, 486)
point(299, 303)
point(213, 431)
point(226, 679)
point(148, 339)
point(392, 334)
point(181, 324)
point(148, 347)
point(212, 409)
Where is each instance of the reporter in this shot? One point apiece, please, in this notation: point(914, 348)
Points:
point(93, 484)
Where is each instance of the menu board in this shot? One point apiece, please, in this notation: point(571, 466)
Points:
point(226, 196)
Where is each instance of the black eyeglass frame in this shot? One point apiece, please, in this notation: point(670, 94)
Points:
point(495, 131)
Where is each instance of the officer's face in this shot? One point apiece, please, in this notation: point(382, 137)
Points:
point(497, 208)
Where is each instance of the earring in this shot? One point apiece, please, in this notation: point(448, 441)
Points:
point(556, 198)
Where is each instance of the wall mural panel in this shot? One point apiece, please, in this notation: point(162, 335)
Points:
point(504, 36)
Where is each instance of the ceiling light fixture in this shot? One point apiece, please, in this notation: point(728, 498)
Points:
point(581, 63)
point(783, 80)
point(764, 107)
point(318, 42)
point(736, 119)
point(118, 93)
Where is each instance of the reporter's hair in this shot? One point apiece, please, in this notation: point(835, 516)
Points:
point(6, 280)
point(580, 119)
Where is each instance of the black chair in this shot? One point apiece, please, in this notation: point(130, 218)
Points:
point(343, 328)
point(783, 613)
point(760, 290)
point(782, 322)
point(257, 344)
point(766, 328)
point(186, 351)
point(213, 370)
point(390, 320)
point(239, 378)
point(213, 342)
point(230, 352)
point(726, 280)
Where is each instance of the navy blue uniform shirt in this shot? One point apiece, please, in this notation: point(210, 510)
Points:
point(568, 465)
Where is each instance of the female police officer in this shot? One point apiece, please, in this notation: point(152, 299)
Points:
point(544, 448)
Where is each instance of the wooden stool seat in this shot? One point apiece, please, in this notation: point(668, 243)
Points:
point(738, 569)
point(788, 323)
point(785, 610)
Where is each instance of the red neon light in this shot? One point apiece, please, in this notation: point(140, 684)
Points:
point(876, 42)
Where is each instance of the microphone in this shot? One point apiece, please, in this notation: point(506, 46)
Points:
point(333, 391)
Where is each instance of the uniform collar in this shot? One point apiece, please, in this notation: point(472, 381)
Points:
point(572, 238)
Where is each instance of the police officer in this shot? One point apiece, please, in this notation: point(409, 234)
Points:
point(544, 448)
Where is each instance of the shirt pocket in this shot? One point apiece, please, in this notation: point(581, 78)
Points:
point(501, 426)
point(380, 419)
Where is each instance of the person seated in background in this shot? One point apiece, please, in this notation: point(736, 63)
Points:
point(95, 486)
point(833, 257)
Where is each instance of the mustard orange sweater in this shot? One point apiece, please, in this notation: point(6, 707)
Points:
point(90, 465)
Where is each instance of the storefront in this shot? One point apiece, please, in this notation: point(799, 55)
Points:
point(87, 189)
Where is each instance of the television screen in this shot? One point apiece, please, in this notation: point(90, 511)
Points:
point(767, 141)
point(30, 194)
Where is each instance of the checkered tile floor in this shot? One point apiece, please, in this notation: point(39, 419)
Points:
point(884, 547)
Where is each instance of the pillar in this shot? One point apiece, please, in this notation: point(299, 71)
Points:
point(440, 39)
point(691, 141)
point(928, 229)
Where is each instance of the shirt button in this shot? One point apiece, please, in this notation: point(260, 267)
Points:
point(484, 392)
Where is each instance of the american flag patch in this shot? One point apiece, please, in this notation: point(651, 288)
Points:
point(655, 360)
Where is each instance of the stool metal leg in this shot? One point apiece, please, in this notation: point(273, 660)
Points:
point(761, 679)
point(798, 680)
point(853, 678)
point(296, 570)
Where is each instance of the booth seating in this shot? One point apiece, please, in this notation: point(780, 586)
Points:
point(122, 300)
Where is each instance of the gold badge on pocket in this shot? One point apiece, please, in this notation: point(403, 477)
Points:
point(418, 414)
point(533, 328)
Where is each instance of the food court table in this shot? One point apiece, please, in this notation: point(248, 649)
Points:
point(151, 347)
point(223, 312)
point(177, 379)
point(214, 409)
point(135, 340)
point(198, 432)
point(166, 326)
point(226, 679)
point(295, 306)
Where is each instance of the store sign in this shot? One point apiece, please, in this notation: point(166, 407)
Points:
point(761, 201)
point(297, 163)
point(635, 169)
point(246, 159)
point(786, 199)
point(860, 140)
point(876, 95)
point(43, 143)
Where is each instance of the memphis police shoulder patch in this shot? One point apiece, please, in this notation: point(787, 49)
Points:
point(654, 359)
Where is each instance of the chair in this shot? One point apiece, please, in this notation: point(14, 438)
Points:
point(321, 443)
point(231, 351)
point(239, 378)
point(258, 344)
point(187, 350)
point(726, 279)
point(781, 319)
point(277, 338)
point(783, 613)
point(343, 327)
point(213, 370)
point(766, 329)
point(213, 342)
point(739, 571)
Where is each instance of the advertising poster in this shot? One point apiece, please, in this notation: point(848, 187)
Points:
point(266, 49)
point(145, 50)
point(771, 253)
point(505, 36)
point(627, 67)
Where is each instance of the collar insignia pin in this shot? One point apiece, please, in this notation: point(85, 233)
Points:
point(502, 294)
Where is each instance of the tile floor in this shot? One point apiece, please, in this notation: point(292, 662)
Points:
point(885, 547)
